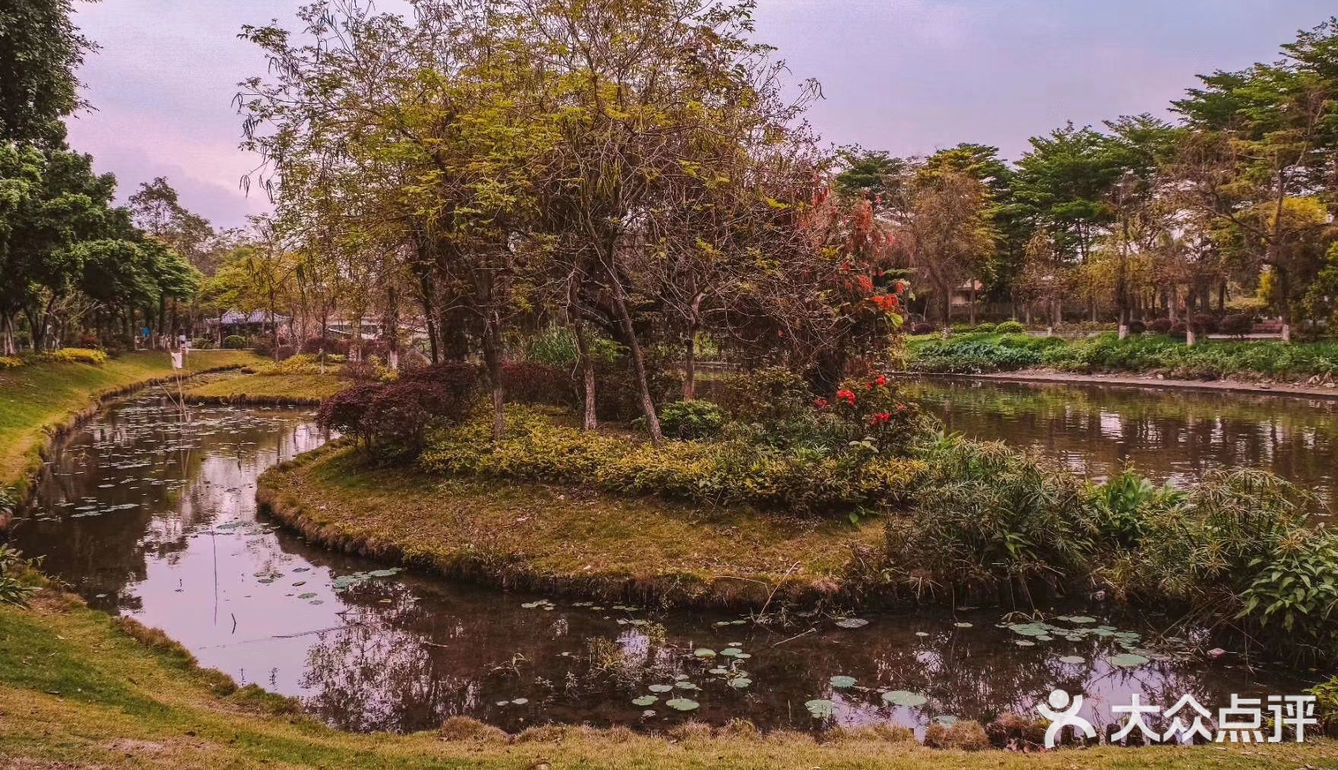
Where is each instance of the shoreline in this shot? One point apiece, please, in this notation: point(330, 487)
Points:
point(1147, 381)
point(25, 484)
point(278, 499)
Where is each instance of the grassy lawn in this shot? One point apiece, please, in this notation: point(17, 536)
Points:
point(271, 388)
point(80, 689)
point(559, 538)
point(35, 399)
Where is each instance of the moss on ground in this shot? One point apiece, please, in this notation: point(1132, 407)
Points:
point(565, 540)
point(39, 399)
point(80, 689)
point(270, 389)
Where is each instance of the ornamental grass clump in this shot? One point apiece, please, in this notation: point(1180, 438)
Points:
point(990, 522)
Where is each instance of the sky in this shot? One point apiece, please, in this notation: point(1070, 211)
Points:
point(907, 76)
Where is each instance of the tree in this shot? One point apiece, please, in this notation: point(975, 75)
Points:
point(40, 50)
point(1263, 140)
point(156, 209)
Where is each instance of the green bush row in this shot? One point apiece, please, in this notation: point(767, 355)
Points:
point(982, 353)
point(731, 471)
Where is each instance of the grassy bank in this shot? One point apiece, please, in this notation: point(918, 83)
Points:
point(80, 689)
point(39, 399)
point(308, 389)
point(562, 539)
point(976, 353)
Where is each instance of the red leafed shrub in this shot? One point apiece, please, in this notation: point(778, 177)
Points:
point(1160, 325)
point(1203, 324)
point(451, 372)
point(400, 412)
point(527, 382)
point(346, 410)
point(1137, 327)
point(1177, 329)
point(922, 327)
point(332, 345)
point(1237, 324)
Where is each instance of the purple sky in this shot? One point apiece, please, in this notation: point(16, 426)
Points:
point(908, 76)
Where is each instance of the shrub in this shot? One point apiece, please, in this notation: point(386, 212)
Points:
point(13, 590)
point(76, 356)
point(1177, 329)
point(723, 472)
point(346, 410)
point(961, 328)
point(1237, 324)
point(1137, 327)
point(284, 352)
point(985, 328)
point(1203, 323)
point(692, 419)
point(10, 362)
point(1010, 327)
point(368, 370)
point(1241, 551)
point(556, 347)
point(314, 345)
point(986, 518)
point(974, 354)
point(400, 413)
point(529, 382)
point(234, 342)
point(922, 327)
point(768, 396)
point(202, 343)
point(1122, 506)
point(1160, 325)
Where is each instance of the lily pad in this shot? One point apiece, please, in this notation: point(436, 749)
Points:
point(661, 687)
point(731, 652)
point(644, 700)
point(704, 652)
point(1081, 619)
point(682, 704)
point(1072, 660)
point(904, 698)
point(686, 686)
point(740, 682)
point(852, 623)
point(520, 701)
point(307, 595)
point(963, 624)
point(842, 682)
point(1024, 643)
point(1128, 660)
point(821, 708)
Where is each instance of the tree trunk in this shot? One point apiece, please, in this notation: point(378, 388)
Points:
point(971, 312)
point(638, 365)
point(492, 358)
point(1284, 306)
point(690, 366)
point(589, 416)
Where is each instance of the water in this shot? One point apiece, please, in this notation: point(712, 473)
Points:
point(1168, 434)
point(155, 518)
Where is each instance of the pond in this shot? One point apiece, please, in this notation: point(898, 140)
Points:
point(151, 512)
point(1166, 434)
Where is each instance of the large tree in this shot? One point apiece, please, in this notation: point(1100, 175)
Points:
point(40, 51)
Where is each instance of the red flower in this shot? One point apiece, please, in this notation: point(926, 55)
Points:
point(846, 396)
point(882, 380)
point(901, 407)
point(821, 403)
point(902, 286)
point(882, 418)
point(865, 284)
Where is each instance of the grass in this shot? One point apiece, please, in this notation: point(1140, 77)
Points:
point(37, 399)
point(271, 388)
point(79, 689)
point(561, 538)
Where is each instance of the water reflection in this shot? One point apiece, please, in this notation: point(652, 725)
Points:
point(150, 515)
point(1173, 435)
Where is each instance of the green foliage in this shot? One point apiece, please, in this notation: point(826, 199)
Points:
point(75, 356)
point(234, 342)
point(1123, 504)
point(556, 346)
point(770, 396)
point(1010, 327)
point(984, 328)
point(13, 590)
point(692, 419)
point(41, 51)
point(979, 353)
point(986, 517)
point(730, 471)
